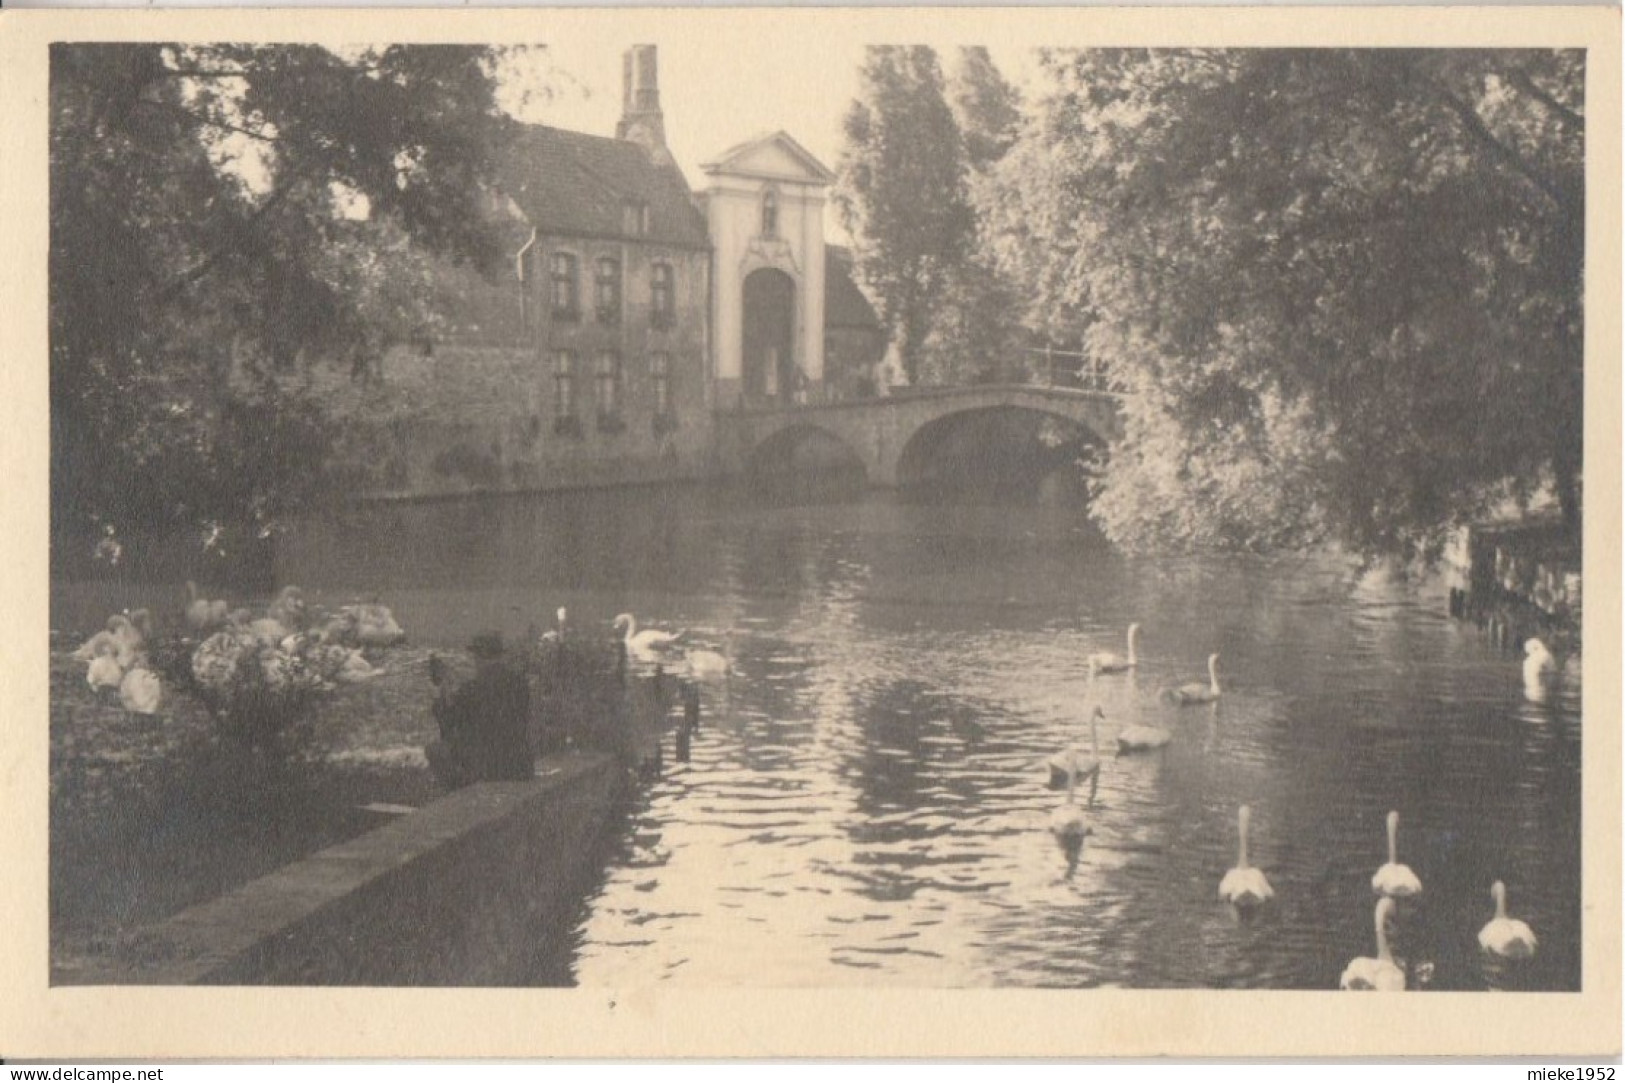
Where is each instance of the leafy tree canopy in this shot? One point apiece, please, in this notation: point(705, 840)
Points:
point(901, 192)
point(1342, 287)
point(221, 217)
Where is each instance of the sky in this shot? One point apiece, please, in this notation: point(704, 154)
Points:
point(715, 91)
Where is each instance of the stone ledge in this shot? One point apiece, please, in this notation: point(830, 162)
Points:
point(477, 888)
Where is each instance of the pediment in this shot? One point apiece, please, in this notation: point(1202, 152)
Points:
point(771, 157)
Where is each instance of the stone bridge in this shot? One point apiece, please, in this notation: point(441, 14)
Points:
point(879, 431)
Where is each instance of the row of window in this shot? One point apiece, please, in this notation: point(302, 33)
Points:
point(609, 389)
point(564, 289)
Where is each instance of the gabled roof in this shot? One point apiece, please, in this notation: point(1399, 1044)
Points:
point(569, 183)
point(844, 304)
point(774, 156)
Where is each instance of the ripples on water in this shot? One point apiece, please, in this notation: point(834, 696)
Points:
point(866, 801)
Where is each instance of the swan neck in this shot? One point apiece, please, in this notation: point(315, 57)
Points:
point(1241, 857)
point(1382, 934)
point(1094, 737)
point(1500, 902)
point(1133, 634)
point(1393, 840)
point(1213, 674)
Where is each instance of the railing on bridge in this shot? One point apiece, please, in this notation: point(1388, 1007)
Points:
point(1066, 368)
point(1039, 366)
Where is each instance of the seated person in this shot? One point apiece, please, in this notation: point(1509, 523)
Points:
point(484, 722)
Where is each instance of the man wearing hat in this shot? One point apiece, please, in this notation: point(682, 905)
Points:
point(484, 722)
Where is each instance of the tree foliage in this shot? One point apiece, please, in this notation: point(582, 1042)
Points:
point(222, 217)
point(1343, 287)
point(901, 192)
point(975, 333)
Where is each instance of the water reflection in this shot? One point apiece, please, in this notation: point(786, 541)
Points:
point(866, 800)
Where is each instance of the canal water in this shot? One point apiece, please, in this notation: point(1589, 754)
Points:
point(866, 801)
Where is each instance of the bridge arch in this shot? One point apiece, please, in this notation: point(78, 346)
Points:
point(803, 448)
point(908, 430)
point(996, 451)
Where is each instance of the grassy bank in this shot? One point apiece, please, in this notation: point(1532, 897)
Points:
point(152, 814)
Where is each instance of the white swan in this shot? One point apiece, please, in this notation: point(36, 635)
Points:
point(1068, 823)
point(375, 624)
point(1504, 936)
point(141, 691)
point(1073, 763)
point(555, 635)
point(1141, 738)
point(1380, 975)
point(200, 611)
point(1538, 667)
point(1393, 879)
point(141, 625)
point(129, 645)
point(1245, 885)
point(1195, 692)
point(646, 644)
point(104, 671)
point(1111, 661)
point(92, 646)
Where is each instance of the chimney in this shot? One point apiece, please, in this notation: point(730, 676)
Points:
point(641, 120)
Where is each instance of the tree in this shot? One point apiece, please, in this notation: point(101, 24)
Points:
point(223, 217)
point(986, 107)
point(900, 192)
point(975, 334)
point(1343, 287)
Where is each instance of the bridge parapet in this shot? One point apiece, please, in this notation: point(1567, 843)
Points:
point(878, 429)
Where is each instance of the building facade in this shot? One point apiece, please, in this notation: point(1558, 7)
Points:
point(636, 309)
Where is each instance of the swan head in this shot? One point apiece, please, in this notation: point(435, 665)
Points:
point(1533, 646)
point(623, 622)
point(1099, 712)
point(563, 615)
point(1212, 661)
point(119, 623)
point(1133, 630)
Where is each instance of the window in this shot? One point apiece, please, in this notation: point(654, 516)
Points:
point(525, 268)
point(663, 305)
point(564, 393)
point(608, 376)
point(566, 297)
point(770, 213)
point(608, 291)
point(660, 378)
point(635, 219)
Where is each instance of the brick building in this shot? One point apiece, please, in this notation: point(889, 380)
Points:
point(635, 309)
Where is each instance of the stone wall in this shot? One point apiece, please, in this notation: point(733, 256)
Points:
point(479, 888)
point(482, 418)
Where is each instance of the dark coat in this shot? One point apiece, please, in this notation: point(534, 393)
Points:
point(485, 725)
